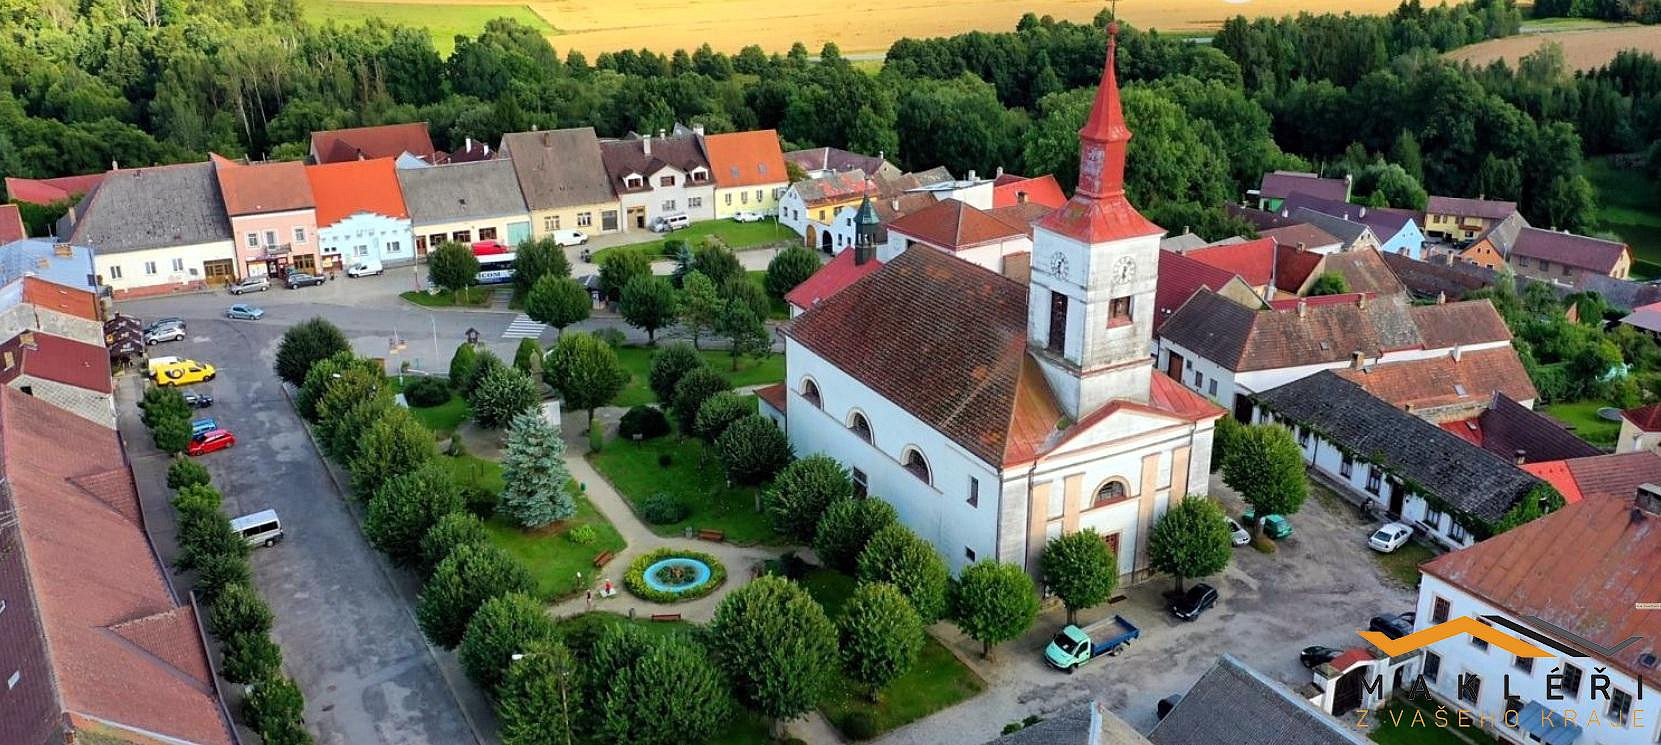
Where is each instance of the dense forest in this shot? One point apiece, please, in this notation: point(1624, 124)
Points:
point(1642, 11)
point(84, 83)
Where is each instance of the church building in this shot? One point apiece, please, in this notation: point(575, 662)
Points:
point(996, 414)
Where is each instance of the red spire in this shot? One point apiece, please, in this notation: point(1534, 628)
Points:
point(1103, 139)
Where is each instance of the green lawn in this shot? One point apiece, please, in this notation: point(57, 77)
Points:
point(441, 419)
point(1628, 207)
point(473, 470)
point(637, 360)
point(443, 22)
point(472, 297)
point(736, 235)
point(1583, 417)
point(937, 681)
point(1403, 563)
point(1425, 732)
point(778, 310)
point(695, 477)
point(553, 558)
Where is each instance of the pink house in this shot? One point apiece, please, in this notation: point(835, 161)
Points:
point(273, 216)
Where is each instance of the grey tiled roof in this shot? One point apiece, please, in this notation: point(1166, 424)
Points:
point(1345, 230)
point(461, 191)
point(1623, 294)
point(1427, 279)
point(558, 168)
point(140, 208)
point(1237, 705)
point(1071, 726)
point(1449, 467)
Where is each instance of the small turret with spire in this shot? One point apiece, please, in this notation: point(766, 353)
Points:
point(866, 224)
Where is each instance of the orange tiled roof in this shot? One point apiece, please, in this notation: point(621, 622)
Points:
point(745, 158)
point(1442, 380)
point(1253, 260)
point(267, 187)
point(1043, 190)
point(344, 189)
point(954, 225)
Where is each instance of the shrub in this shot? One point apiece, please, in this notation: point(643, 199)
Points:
point(669, 365)
point(664, 509)
point(450, 532)
point(643, 422)
point(753, 449)
point(183, 473)
point(691, 391)
point(304, 344)
point(251, 657)
point(718, 412)
point(583, 535)
point(789, 268)
point(276, 709)
point(502, 627)
point(858, 725)
point(462, 582)
point(665, 460)
point(426, 391)
point(846, 527)
point(635, 577)
point(487, 361)
point(803, 491)
point(502, 394)
point(406, 507)
point(238, 610)
point(613, 338)
point(479, 500)
point(219, 571)
point(528, 358)
point(462, 365)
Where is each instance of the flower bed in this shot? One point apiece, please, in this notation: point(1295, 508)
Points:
point(636, 578)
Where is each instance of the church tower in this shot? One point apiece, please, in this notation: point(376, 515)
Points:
point(1094, 269)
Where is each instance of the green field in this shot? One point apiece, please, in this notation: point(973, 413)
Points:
point(443, 22)
point(695, 476)
point(637, 360)
point(1629, 205)
point(736, 235)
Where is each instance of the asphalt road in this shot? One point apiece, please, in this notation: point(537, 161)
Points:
point(343, 620)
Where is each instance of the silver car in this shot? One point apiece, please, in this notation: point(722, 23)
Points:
point(165, 333)
point(251, 284)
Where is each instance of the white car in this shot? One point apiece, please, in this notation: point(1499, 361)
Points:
point(1236, 534)
point(748, 216)
point(1390, 537)
point(365, 269)
point(165, 333)
point(570, 238)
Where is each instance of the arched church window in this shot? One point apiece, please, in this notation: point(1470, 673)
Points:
point(913, 462)
point(860, 426)
point(1113, 490)
point(810, 392)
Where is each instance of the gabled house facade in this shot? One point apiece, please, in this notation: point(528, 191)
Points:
point(51, 287)
point(158, 230)
point(749, 171)
point(1352, 235)
point(1462, 219)
point(273, 216)
point(1394, 230)
point(819, 162)
point(71, 375)
point(1640, 430)
point(809, 206)
point(465, 202)
point(659, 177)
point(1560, 258)
point(563, 180)
point(361, 214)
point(1493, 244)
point(844, 227)
point(981, 237)
point(1276, 186)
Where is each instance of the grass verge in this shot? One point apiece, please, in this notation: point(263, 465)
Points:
point(441, 419)
point(638, 362)
point(737, 236)
point(1583, 417)
point(694, 476)
point(552, 557)
point(472, 297)
point(1403, 563)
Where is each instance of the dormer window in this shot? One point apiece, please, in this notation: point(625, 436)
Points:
point(699, 175)
point(633, 181)
point(761, 168)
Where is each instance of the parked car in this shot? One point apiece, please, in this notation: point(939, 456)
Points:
point(245, 312)
point(183, 372)
point(667, 223)
point(1236, 534)
point(569, 237)
point(251, 284)
point(302, 279)
point(164, 334)
point(210, 441)
point(201, 426)
point(198, 400)
point(1074, 646)
point(161, 323)
point(1313, 657)
point(1393, 627)
point(1190, 605)
point(365, 268)
point(1390, 537)
point(748, 216)
point(1274, 526)
point(1167, 704)
point(259, 529)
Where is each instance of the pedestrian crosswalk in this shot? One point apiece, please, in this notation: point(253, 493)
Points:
point(523, 328)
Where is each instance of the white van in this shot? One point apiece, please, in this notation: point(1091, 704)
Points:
point(259, 529)
point(667, 223)
point(151, 364)
point(364, 268)
point(569, 237)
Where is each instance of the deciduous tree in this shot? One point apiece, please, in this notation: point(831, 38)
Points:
point(396, 444)
point(1192, 539)
point(649, 303)
point(558, 302)
point(406, 507)
point(994, 602)
point(585, 372)
point(777, 647)
point(669, 364)
point(753, 449)
point(502, 627)
point(305, 343)
point(538, 701)
point(463, 581)
point(700, 305)
point(896, 555)
point(801, 493)
point(845, 529)
point(881, 635)
point(789, 268)
point(1265, 465)
point(452, 266)
point(1080, 569)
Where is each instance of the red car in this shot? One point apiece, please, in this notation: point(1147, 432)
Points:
point(209, 441)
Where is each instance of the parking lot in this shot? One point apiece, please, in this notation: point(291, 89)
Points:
point(344, 623)
point(1321, 587)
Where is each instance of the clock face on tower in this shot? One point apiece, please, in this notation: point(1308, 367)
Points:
point(1124, 270)
point(1058, 265)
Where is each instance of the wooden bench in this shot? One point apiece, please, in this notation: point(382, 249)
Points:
point(604, 558)
point(712, 535)
point(665, 617)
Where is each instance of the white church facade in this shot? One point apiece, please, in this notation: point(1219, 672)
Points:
point(995, 414)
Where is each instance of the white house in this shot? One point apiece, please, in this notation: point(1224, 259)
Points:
point(361, 213)
point(809, 206)
point(657, 177)
point(995, 415)
point(843, 228)
point(157, 230)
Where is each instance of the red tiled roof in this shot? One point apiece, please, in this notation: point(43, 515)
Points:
point(775, 395)
point(842, 186)
point(831, 278)
point(954, 225)
point(1580, 251)
point(1292, 266)
point(1021, 216)
point(1469, 430)
point(344, 189)
point(385, 141)
point(1166, 394)
point(1364, 270)
point(745, 158)
point(49, 190)
point(1615, 476)
point(122, 650)
point(58, 359)
point(1253, 260)
point(1180, 276)
point(1095, 221)
point(1645, 418)
point(1588, 568)
point(11, 224)
point(1442, 380)
point(1045, 190)
point(1556, 473)
point(267, 187)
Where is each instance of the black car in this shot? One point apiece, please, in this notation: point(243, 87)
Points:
point(1191, 604)
point(302, 279)
point(1394, 627)
point(198, 400)
point(1313, 657)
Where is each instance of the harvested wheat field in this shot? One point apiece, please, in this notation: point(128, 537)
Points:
point(1583, 50)
point(857, 26)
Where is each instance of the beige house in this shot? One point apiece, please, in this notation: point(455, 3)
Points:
point(563, 180)
point(1460, 219)
point(465, 202)
point(1640, 430)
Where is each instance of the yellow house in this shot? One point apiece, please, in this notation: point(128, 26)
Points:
point(563, 180)
point(749, 171)
point(1460, 219)
point(809, 206)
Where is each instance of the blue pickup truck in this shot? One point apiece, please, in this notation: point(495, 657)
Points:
point(1074, 646)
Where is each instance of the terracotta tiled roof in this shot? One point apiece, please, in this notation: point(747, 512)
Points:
point(842, 186)
point(267, 187)
point(1594, 254)
point(1645, 418)
point(1463, 323)
point(1293, 266)
point(831, 278)
point(58, 359)
point(1588, 568)
point(345, 189)
point(775, 395)
point(954, 225)
point(11, 224)
point(1022, 217)
point(385, 141)
point(1310, 236)
point(1180, 277)
point(122, 650)
point(1253, 260)
point(1427, 279)
point(49, 190)
point(1487, 209)
point(1347, 298)
point(1166, 394)
point(1364, 270)
point(834, 159)
point(1443, 381)
point(1040, 190)
point(746, 158)
point(1282, 184)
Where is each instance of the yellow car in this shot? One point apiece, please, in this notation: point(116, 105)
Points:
point(183, 372)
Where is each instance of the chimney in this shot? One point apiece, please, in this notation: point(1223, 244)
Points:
point(115, 165)
point(1361, 300)
point(646, 143)
point(469, 147)
point(1186, 230)
point(63, 249)
point(547, 139)
point(1441, 298)
point(882, 155)
point(698, 129)
point(1357, 360)
point(1520, 456)
point(1300, 247)
point(662, 133)
point(1020, 197)
point(1303, 308)
point(1480, 196)
point(1000, 172)
point(1407, 407)
point(1648, 499)
point(1362, 213)
point(972, 178)
point(1457, 353)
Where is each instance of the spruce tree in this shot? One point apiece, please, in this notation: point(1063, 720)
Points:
point(535, 475)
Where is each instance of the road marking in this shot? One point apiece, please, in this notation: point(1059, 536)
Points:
point(523, 328)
